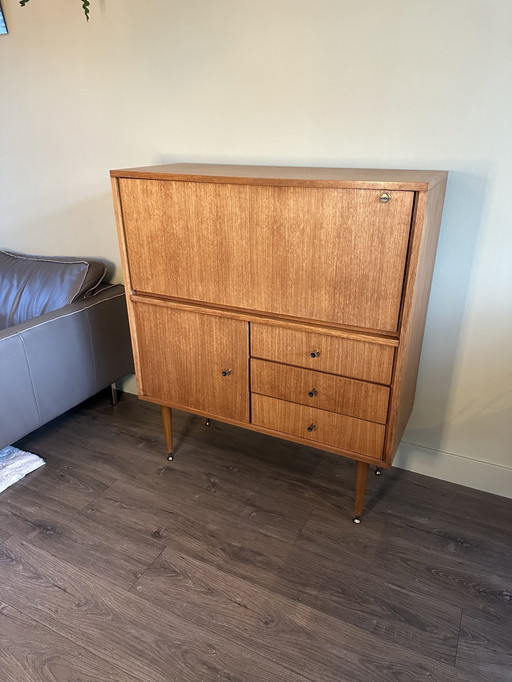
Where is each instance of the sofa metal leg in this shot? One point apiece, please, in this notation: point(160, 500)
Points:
point(113, 389)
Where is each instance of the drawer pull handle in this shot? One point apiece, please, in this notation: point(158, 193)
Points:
point(314, 354)
point(312, 393)
point(311, 427)
point(225, 372)
point(385, 198)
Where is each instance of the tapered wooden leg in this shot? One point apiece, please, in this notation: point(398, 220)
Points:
point(361, 478)
point(167, 422)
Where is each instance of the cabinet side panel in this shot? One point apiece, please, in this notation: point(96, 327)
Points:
point(427, 221)
point(118, 210)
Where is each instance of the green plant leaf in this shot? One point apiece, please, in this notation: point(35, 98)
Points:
point(85, 4)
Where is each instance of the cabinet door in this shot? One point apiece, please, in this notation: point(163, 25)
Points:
point(193, 360)
point(331, 255)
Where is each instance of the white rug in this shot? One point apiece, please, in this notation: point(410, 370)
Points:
point(14, 464)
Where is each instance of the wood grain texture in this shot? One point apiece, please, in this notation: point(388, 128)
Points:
point(137, 459)
point(324, 391)
point(167, 425)
point(183, 355)
point(385, 339)
point(385, 608)
point(232, 546)
point(341, 178)
point(239, 245)
point(337, 355)
point(361, 480)
point(238, 514)
point(415, 562)
point(64, 485)
point(422, 252)
point(484, 647)
point(70, 535)
point(147, 642)
point(256, 617)
point(330, 428)
point(31, 652)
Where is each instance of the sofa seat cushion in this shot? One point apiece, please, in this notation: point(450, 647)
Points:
point(33, 285)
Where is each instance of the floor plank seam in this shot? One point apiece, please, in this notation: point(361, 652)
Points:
point(458, 638)
point(5, 539)
point(91, 502)
point(303, 526)
point(131, 588)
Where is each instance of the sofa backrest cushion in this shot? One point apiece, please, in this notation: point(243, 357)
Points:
point(33, 285)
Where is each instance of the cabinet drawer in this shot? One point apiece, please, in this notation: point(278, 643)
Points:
point(192, 360)
point(333, 429)
point(334, 354)
point(317, 389)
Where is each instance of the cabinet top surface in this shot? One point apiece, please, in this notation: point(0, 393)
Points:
point(340, 178)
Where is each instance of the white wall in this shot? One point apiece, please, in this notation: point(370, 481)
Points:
point(329, 82)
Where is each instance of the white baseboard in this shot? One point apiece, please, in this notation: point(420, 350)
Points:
point(491, 478)
point(129, 384)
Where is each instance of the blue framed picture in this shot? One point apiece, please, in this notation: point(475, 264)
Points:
point(3, 27)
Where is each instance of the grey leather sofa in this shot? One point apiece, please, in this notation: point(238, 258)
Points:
point(63, 337)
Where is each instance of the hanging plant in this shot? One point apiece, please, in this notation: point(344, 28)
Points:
point(85, 5)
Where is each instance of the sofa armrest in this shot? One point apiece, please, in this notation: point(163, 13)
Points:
point(57, 360)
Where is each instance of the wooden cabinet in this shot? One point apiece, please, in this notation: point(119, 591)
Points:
point(290, 301)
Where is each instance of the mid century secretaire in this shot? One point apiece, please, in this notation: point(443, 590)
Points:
point(289, 301)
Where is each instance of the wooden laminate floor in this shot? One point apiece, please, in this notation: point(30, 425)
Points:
point(239, 562)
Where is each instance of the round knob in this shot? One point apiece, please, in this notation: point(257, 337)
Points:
point(311, 427)
point(314, 354)
point(312, 393)
point(225, 372)
point(385, 198)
